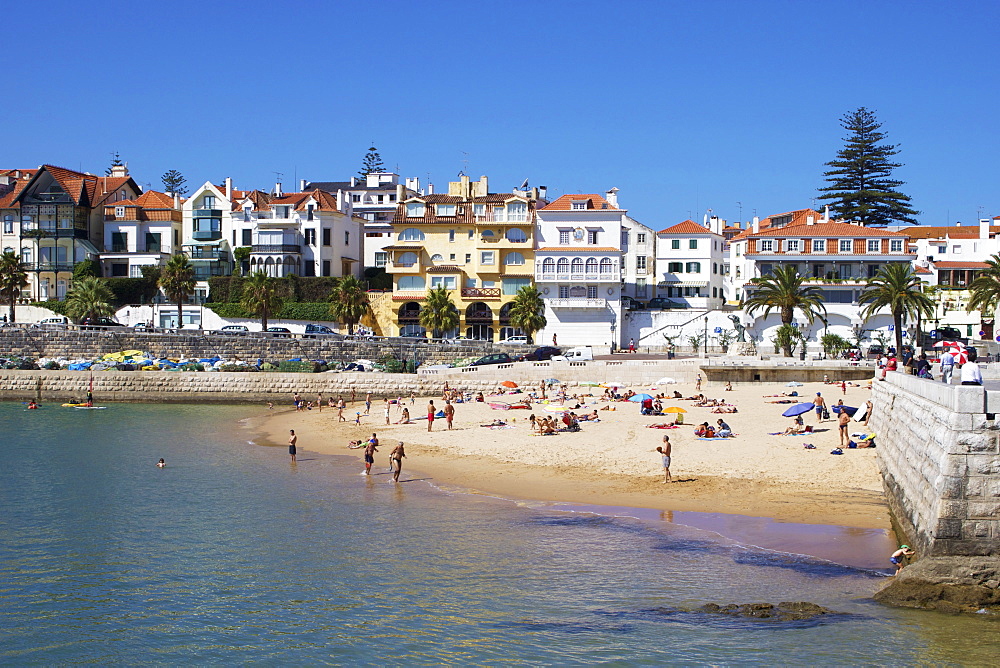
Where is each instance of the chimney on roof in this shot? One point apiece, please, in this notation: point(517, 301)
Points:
point(542, 191)
point(756, 224)
point(413, 184)
point(826, 213)
point(177, 201)
point(612, 197)
point(810, 220)
point(400, 192)
point(119, 171)
point(984, 228)
point(302, 185)
point(277, 189)
point(229, 187)
point(430, 188)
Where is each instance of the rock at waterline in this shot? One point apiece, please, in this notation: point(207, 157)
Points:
point(946, 584)
point(784, 612)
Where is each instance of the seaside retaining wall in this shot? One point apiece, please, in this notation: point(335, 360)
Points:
point(940, 462)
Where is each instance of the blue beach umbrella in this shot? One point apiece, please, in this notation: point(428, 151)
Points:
point(850, 410)
point(799, 409)
point(637, 398)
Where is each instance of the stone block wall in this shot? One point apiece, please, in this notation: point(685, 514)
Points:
point(939, 453)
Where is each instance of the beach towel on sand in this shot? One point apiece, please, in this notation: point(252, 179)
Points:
point(717, 438)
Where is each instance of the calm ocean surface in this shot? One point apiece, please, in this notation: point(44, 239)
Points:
point(232, 555)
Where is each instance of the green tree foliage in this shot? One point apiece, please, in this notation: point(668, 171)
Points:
point(861, 185)
point(378, 279)
point(173, 183)
point(131, 290)
point(834, 344)
point(527, 311)
point(12, 279)
point(784, 291)
point(786, 338)
point(261, 297)
point(439, 313)
point(985, 289)
point(86, 269)
point(177, 282)
point(229, 289)
point(89, 298)
point(696, 340)
point(241, 255)
point(372, 163)
point(349, 302)
point(116, 161)
point(898, 288)
point(310, 311)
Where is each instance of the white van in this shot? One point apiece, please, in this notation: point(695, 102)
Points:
point(578, 354)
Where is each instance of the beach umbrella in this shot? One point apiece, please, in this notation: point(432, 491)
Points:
point(794, 383)
point(666, 381)
point(799, 409)
point(552, 381)
point(850, 410)
point(508, 383)
point(674, 409)
point(589, 383)
point(614, 384)
point(961, 356)
point(640, 397)
point(948, 344)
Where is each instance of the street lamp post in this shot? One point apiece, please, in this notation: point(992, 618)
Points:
point(704, 343)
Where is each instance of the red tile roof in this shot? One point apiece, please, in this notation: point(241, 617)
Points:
point(960, 265)
point(594, 203)
point(799, 217)
point(821, 230)
point(687, 227)
point(923, 270)
point(953, 232)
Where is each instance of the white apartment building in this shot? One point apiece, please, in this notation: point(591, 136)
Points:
point(638, 244)
point(374, 199)
point(140, 232)
point(690, 265)
point(206, 230)
point(578, 269)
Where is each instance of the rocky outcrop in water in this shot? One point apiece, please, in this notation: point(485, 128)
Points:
point(947, 584)
point(784, 612)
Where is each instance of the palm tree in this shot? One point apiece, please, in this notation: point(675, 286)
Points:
point(260, 297)
point(12, 279)
point(784, 291)
point(439, 313)
point(349, 302)
point(985, 289)
point(898, 288)
point(89, 298)
point(177, 282)
point(527, 311)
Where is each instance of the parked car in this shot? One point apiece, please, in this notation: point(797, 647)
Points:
point(578, 354)
point(540, 354)
point(417, 338)
point(495, 358)
point(94, 323)
point(522, 340)
point(143, 326)
point(315, 331)
point(234, 330)
point(630, 304)
point(659, 303)
point(279, 332)
point(52, 322)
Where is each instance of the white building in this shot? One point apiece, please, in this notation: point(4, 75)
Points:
point(578, 269)
point(690, 265)
point(374, 199)
point(638, 244)
point(140, 232)
point(206, 229)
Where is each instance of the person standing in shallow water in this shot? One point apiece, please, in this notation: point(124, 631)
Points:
point(396, 459)
point(292, 441)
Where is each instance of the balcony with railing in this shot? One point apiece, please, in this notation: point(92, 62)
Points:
point(53, 231)
point(481, 293)
point(45, 265)
point(275, 249)
point(593, 277)
point(403, 267)
point(578, 302)
point(202, 253)
point(503, 217)
point(206, 235)
point(273, 219)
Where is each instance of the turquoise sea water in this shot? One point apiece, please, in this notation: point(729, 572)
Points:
point(233, 555)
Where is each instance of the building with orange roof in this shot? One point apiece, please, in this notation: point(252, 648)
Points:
point(578, 270)
point(690, 265)
point(140, 232)
point(477, 244)
point(55, 219)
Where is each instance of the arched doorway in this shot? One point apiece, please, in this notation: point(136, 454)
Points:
point(408, 318)
point(506, 331)
point(479, 321)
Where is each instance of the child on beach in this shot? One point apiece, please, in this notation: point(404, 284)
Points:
point(899, 556)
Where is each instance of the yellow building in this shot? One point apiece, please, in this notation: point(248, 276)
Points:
point(475, 243)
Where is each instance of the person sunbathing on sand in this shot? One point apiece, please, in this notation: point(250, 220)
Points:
point(725, 409)
point(780, 401)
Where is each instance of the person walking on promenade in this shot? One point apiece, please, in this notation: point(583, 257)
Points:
point(370, 449)
point(449, 413)
point(430, 414)
point(396, 459)
point(292, 441)
point(631, 345)
point(947, 366)
point(820, 403)
point(664, 451)
point(554, 343)
point(842, 420)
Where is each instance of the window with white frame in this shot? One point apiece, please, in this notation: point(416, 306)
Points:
point(640, 237)
point(448, 282)
point(957, 249)
point(516, 236)
point(415, 209)
point(563, 292)
point(406, 260)
point(576, 266)
point(548, 266)
point(693, 244)
point(411, 234)
point(517, 212)
point(592, 237)
point(487, 257)
point(874, 245)
point(591, 292)
point(381, 258)
point(693, 267)
point(607, 266)
point(513, 258)
point(563, 237)
point(580, 205)
point(792, 245)
point(562, 266)
point(445, 209)
point(640, 287)
point(8, 224)
point(819, 245)
point(410, 283)
point(895, 245)
point(437, 257)
point(591, 265)
point(846, 245)
point(119, 212)
point(767, 245)
point(479, 210)
point(310, 236)
point(640, 262)
point(355, 198)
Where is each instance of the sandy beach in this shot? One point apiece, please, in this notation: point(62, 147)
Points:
point(613, 462)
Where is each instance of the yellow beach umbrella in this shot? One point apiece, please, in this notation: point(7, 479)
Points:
point(674, 409)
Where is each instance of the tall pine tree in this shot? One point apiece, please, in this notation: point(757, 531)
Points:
point(861, 185)
point(371, 163)
point(173, 182)
point(116, 161)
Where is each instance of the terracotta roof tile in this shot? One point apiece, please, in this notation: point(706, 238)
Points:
point(952, 232)
point(688, 227)
point(948, 264)
point(830, 230)
point(579, 249)
point(594, 203)
point(444, 269)
point(922, 270)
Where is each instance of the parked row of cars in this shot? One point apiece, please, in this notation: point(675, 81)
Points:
point(654, 304)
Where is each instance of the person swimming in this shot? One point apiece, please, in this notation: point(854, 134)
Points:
point(161, 464)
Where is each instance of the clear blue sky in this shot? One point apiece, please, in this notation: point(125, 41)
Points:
point(684, 106)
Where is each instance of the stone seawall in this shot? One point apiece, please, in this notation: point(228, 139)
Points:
point(939, 453)
point(79, 344)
